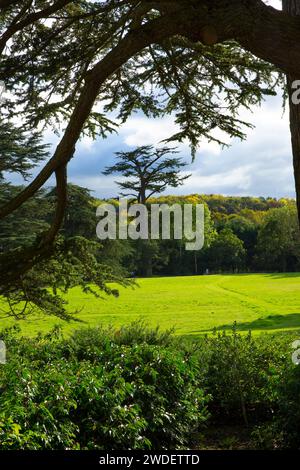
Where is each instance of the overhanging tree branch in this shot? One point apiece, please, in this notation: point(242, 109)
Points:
point(155, 31)
point(264, 31)
point(8, 3)
point(30, 19)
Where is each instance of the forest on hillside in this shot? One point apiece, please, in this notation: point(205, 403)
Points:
point(242, 234)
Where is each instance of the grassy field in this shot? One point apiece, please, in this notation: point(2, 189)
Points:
point(193, 305)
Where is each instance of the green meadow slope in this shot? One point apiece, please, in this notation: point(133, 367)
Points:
point(193, 305)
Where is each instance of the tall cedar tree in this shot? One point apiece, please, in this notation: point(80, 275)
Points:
point(148, 171)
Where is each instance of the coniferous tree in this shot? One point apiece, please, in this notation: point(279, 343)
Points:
point(147, 171)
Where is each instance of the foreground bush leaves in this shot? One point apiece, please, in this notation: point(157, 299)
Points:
point(138, 388)
point(93, 392)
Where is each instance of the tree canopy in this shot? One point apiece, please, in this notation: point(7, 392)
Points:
point(86, 66)
point(147, 171)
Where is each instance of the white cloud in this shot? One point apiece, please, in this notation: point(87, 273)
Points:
point(274, 3)
point(86, 143)
point(101, 185)
point(223, 182)
point(142, 131)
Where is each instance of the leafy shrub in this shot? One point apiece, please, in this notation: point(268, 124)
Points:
point(283, 431)
point(243, 376)
point(289, 409)
point(139, 388)
point(253, 380)
point(93, 392)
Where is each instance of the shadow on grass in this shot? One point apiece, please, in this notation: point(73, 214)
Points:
point(271, 322)
point(282, 275)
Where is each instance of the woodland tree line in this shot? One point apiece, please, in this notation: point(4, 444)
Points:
point(242, 234)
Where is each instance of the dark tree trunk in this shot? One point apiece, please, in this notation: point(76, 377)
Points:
point(195, 263)
point(292, 7)
point(147, 269)
point(143, 194)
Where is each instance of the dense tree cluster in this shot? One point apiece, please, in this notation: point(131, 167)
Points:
point(242, 234)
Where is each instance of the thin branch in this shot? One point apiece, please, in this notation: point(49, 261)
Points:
point(30, 19)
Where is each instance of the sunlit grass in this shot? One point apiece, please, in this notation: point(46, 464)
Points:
point(193, 305)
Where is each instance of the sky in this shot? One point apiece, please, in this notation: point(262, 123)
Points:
point(259, 166)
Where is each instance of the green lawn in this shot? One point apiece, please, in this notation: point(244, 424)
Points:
point(193, 305)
